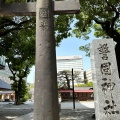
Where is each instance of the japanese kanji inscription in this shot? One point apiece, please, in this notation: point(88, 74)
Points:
point(106, 80)
point(44, 13)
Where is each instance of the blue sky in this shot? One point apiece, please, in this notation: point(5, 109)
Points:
point(68, 47)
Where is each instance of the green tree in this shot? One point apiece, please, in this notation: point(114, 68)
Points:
point(64, 77)
point(9, 24)
point(30, 87)
point(17, 40)
point(88, 84)
point(19, 49)
point(23, 93)
point(62, 27)
point(62, 23)
point(102, 16)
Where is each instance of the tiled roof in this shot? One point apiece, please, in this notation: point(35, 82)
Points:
point(7, 92)
point(4, 85)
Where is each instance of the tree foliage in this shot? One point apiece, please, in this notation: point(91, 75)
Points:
point(65, 77)
point(30, 86)
point(88, 84)
point(100, 15)
point(23, 93)
point(104, 17)
point(62, 27)
point(18, 46)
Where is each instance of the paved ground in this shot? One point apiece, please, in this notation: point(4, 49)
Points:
point(9, 111)
point(8, 114)
point(83, 111)
point(66, 115)
point(78, 105)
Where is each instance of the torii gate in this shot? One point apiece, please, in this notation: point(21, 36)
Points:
point(46, 95)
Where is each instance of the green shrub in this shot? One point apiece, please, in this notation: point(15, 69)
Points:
point(88, 84)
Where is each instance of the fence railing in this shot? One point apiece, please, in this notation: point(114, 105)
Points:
point(81, 95)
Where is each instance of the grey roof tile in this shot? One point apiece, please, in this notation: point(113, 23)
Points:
point(4, 85)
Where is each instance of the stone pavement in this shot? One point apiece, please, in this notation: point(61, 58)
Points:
point(83, 110)
point(78, 105)
point(85, 114)
point(10, 105)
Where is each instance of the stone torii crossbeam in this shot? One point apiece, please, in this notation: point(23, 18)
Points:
point(46, 92)
point(29, 9)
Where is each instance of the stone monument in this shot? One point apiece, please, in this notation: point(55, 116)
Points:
point(106, 80)
point(46, 92)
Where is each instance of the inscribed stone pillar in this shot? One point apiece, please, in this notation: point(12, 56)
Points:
point(46, 95)
point(106, 81)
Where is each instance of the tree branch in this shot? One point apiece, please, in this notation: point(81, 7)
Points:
point(14, 73)
point(114, 19)
point(116, 14)
point(3, 33)
point(8, 22)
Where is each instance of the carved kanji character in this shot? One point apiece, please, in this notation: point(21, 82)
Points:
point(105, 68)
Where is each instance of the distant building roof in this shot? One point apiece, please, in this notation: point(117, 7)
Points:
point(4, 85)
point(69, 57)
point(7, 92)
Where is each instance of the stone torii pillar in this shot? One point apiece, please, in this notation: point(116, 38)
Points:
point(46, 92)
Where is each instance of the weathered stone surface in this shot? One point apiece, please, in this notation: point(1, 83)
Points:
point(106, 80)
point(66, 7)
point(46, 92)
point(23, 9)
point(46, 95)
